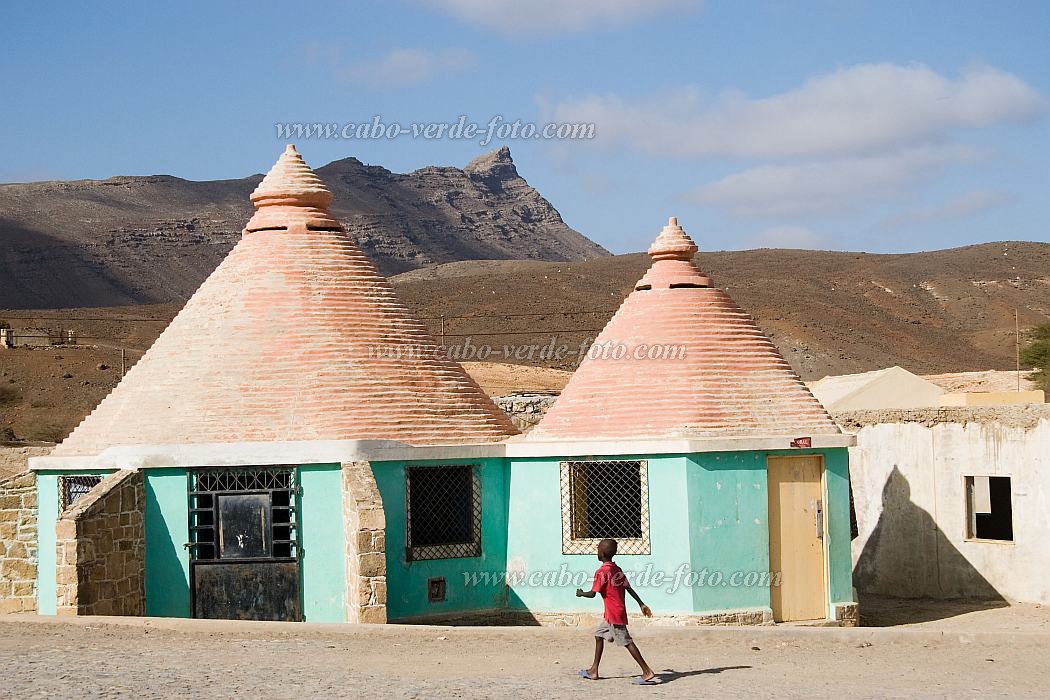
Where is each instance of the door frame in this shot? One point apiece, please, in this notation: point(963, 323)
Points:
point(824, 549)
point(295, 507)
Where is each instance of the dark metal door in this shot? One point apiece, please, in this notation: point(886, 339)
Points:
point(245, 554)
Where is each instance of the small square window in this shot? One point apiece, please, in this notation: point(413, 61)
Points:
point(600, 499)
point(444, 512)
point(989, 508)
point(71, 488)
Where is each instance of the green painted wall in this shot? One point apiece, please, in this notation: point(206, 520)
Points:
point(708, 516)
point(840, 576)
point(324, 543)
point(728, 531)
point(320, 517)
point(47, 516)
point(535, 544)
point(407, 581)
point(167, 530)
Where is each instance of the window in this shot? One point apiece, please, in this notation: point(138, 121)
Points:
point(443, 512)
point(245, 514)
point(73, 488)
point(989, 508)
point(605, 499)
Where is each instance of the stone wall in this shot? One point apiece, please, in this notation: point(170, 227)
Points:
point(525, 410)
point(101, 549)
point(18, 546)
point(365, 523)
point(15, 460)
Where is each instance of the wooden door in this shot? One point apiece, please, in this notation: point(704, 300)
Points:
point(796, 537)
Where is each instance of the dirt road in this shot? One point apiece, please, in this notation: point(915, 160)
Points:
point(154, 659)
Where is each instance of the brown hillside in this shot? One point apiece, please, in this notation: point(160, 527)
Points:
point(830, 313)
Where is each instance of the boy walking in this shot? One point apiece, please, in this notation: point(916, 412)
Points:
point(611, 583)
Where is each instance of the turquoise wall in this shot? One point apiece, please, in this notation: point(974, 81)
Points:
point(47, 516)
point(708, 516)
point(324, 543)
point(535, 540)
point(320, 517)
point(167, 530)
point(728, 530)
point(407, 581)
point(840, 574)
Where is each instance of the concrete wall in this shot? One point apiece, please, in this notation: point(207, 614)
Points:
point(18, 543)
point(100, 550)
point(908, 470)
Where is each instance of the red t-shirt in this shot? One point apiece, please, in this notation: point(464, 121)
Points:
point(611, 583)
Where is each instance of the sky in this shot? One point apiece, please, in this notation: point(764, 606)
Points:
point(888, 126)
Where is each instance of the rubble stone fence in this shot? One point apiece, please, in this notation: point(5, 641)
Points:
point(101, 547)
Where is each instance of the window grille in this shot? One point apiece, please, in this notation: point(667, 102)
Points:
point(72, 488)
point(244, 514)
point(443, 512)
point(603, 499)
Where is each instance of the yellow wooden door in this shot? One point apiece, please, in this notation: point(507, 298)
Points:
point(796, 537)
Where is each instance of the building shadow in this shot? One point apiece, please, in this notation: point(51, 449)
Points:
point(908, 556)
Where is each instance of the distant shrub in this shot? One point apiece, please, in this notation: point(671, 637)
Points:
point(1037, 355)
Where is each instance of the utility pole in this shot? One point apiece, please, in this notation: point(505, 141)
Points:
point(442, 331)
point(123, 363)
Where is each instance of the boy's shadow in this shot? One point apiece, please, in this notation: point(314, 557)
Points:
point(669, 675)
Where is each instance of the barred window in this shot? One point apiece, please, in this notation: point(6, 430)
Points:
point(72, 488)
point(602, 499)
point(443, 512)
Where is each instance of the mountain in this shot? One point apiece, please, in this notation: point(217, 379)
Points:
point(828, 312)
point(143, 240)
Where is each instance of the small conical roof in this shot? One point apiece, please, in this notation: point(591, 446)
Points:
point(681, 359)
point(294, 336)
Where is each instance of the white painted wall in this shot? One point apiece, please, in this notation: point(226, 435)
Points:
point(913, 543)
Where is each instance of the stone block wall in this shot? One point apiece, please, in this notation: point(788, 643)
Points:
point(365, 522)
point(525, 410)
point(101, 548)
point(18, 545)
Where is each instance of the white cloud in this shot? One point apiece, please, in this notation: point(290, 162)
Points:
point(554, 16)
point(825, 187)
point(858, 110)
point(407, 66)
point(957, 207)
point(785, 237)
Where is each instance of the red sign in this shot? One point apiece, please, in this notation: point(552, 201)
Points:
point(802, 442)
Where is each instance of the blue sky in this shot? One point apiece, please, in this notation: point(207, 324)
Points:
point(851, 125)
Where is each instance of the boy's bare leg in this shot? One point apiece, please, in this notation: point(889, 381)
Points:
point(599, 645)
point(647, 673)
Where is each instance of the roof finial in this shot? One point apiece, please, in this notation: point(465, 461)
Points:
point(291, 193)
point(673, 243)
point(290, 182)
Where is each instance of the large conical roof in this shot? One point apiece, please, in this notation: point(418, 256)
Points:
point(681, 359)
point(295, 336)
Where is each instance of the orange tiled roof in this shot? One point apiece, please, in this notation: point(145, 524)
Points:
point(295, 336)
point(713, 373)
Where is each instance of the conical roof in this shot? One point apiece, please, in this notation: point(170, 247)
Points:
point(681, 359)
point(295, 336)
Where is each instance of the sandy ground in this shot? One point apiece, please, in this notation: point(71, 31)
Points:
point(500, 379)
point(990, 380)
point(152, 659)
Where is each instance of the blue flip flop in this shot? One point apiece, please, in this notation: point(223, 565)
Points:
point(641, 681)
point(585, 674)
